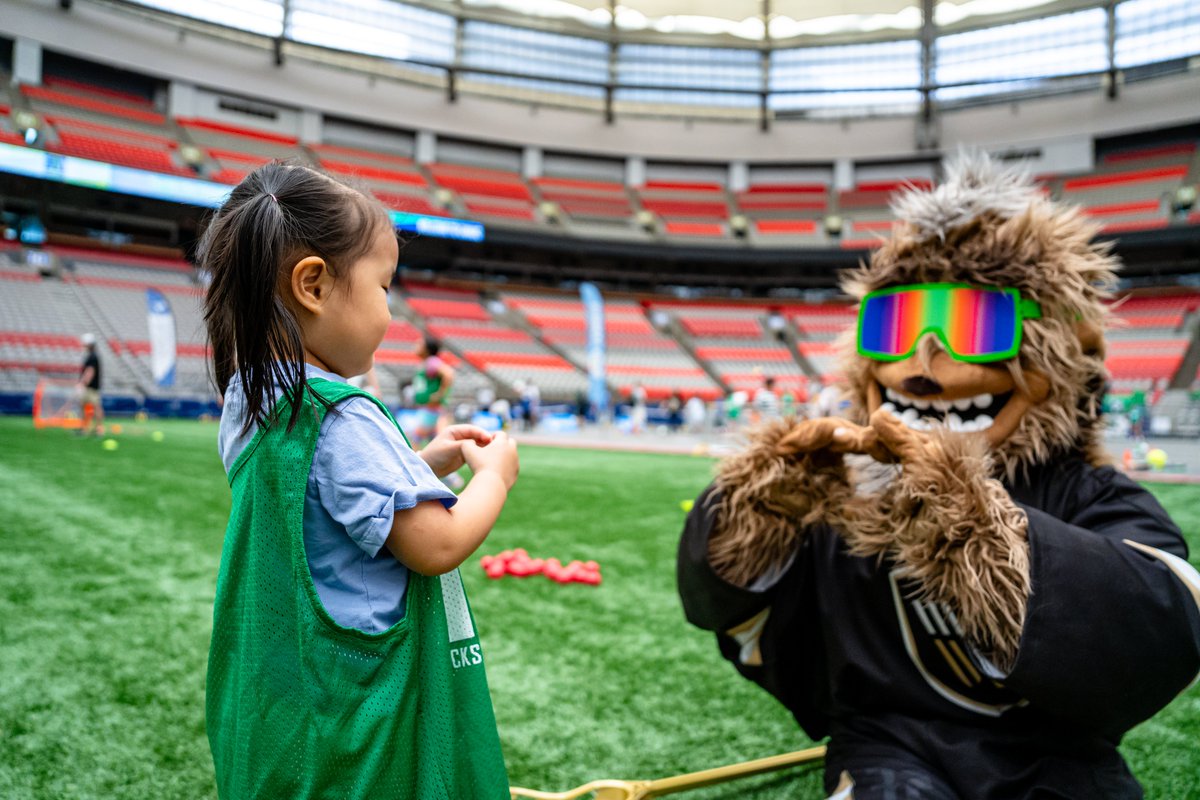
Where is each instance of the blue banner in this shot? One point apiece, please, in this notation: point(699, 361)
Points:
point(110, 177)
point(161, 322)
point(593, 310)
point(35, 163)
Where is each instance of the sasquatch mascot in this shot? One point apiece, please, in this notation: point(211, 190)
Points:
point(951, 582)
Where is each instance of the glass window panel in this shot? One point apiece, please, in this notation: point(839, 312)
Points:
point(1156, 30)
point(528, 52)
point(257, 16)
point(886, 65)
point(1041, 48)
point(374, 27)
point(671, 65)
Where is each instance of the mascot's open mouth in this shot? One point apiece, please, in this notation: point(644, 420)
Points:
point(971, 414)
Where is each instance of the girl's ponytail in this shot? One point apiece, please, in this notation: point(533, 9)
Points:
point(280, 214)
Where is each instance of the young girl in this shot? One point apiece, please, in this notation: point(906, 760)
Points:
point(344, 660)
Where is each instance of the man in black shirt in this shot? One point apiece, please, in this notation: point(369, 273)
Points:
point(89, 387)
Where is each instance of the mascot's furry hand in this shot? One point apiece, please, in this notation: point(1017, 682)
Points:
point(786, 479)
point(950, 526)
point(944, 519)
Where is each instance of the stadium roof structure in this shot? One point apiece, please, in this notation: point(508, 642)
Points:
point(751, 60)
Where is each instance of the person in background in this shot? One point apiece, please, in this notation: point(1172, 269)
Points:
point(766, 402)
point(431, 387)
point(582, 405)
point(639, 412)
point(89, 389)
point(695, 414)
point(828, 402)
point(674, 412)
point(502, 408)
point(531, 399)
point(787, 404)
point(484, 397)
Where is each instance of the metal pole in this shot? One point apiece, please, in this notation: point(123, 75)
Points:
point(927, 137)
point(609, 87)
point(277, 45)
point(764, 110)
point(1111, 25)
point(456, 64)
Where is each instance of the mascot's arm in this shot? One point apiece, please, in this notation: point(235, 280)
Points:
point(709, 601)
point(788, 479)
point(1112, 632)
point(768, 632)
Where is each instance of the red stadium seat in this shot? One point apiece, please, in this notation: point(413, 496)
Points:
point(113, 152)
point(408, 203)
point(677, 228)
point(793, 227)
point(1182, 149)
point(450, 309)
point(92, 104)
point(381, 173)
point(743, 353)
point(1130, 177)
point(684, 186)
point(226, 129)
point(483, 359)
point(686, 208)
point(731, 328)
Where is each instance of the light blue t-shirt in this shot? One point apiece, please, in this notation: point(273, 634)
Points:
point(362, 472)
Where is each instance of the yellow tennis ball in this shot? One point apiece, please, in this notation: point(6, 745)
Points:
point(1156, 458)
point(157, 436)
point(686, 505)
point(110, 444)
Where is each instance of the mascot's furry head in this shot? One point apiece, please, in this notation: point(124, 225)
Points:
point(991, 226)
point(981, 331)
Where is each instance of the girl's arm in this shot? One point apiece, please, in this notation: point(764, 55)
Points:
point(432, 539)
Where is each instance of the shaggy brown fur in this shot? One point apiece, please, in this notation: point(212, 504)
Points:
point(769, 494)
point(955, 532)
point(947, 520)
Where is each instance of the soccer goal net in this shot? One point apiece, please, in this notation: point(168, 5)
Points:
point(57, 404)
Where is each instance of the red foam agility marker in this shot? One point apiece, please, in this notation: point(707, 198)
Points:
point(518, 564)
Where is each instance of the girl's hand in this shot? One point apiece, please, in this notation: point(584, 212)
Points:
point(444, 454)
point(499, 457)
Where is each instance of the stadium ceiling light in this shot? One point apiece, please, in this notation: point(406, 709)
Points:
point(1185, 198)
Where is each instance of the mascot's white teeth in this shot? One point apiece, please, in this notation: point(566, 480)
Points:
point(964, 415)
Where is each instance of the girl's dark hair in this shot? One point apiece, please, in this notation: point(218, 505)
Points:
point(432, 346)
point(280, 214)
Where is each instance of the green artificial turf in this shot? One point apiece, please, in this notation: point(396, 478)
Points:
point(107, 566)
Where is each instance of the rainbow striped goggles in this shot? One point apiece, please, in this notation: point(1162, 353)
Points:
point(976, 324)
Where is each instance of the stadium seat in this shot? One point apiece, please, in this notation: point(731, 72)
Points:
point(99, 105)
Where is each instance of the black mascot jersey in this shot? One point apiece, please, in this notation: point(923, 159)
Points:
point(1111, 635)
